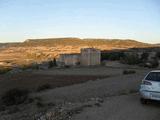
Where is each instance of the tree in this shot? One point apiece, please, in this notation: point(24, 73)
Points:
point(52, 63)
point(144, 56)
point(131, 59)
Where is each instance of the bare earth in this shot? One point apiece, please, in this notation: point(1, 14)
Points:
point(119, 94)
point(125, 107)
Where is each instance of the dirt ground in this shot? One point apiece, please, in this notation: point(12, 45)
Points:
point(124, 107)
point(31, 81)
point(119, 93)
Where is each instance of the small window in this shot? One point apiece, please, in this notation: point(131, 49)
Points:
point(153, 76)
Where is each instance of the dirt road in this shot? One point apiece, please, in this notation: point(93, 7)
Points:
point(120, 95)
point(111, 86)
point(125, 107)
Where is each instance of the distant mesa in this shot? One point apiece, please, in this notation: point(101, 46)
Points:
point(88, 41)
point(77, 42)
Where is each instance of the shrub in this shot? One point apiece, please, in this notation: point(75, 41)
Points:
point(14, 96)
point(4, 70)
point(24, 67)
point(34, 66)
point(154, 63)
point(112, 56)
point(158, 55)
point(30, 66)
point(2, 108)
point(78, 63)
point(144, 56)
point(39, 104)
point(52, 63)
point(131, 59)
point(125, 72)
point(43, 87)
point(67, 66)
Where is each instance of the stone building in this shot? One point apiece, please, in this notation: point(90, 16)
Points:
point(69, 59)
point(90, 56)
point(87, 57)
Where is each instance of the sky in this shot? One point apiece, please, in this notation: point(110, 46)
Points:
point(123, 19)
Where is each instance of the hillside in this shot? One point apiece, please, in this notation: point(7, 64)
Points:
point(84, 42)
point(37, 50)
point(158, 44)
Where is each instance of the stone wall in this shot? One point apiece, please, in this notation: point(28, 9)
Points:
point(90, 56)
point(69, 59)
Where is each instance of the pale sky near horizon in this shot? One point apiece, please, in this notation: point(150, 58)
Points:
point(123, 19)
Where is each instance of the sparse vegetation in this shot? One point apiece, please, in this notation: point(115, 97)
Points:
point(112, 56)
point(36, 55)
point(14, 96)
point(77, 41)
point(144, 56)
point(52, 63)
point(4, 70)
point(131, 59)
point(30, 66)
point(153, 63)
point(39, 104)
